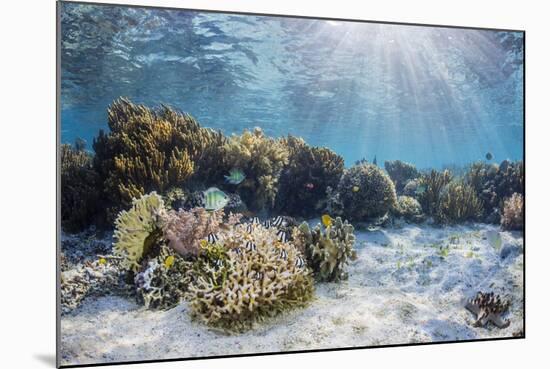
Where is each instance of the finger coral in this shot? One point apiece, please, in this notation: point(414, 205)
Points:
point(138, 230)
point(305, 179)
point(512, 213)
point(400, 173)
point(79, 189)
point(365, 192)
point(328, 248)
point(458, 202)
point(429, 189)
point(262, 159)
point(164, 281)
point(151, 150)
point(247, 277)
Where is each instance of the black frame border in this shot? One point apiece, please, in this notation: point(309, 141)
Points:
point(58, 184)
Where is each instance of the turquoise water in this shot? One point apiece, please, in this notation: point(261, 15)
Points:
point(430, 96)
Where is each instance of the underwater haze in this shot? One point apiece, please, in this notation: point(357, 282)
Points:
point(432, 96)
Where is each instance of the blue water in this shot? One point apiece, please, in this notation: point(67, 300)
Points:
point(430, 96)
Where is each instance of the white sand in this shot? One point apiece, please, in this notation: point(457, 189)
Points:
point(399, 291)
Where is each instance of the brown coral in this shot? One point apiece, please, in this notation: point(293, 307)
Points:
point(458, 202)
point(512, 213)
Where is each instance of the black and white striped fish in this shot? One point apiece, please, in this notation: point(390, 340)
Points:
point(267, 224)
point(299, 262)
point(218, 263)
point(282, 236)
point(259, 276)
point(278, 222)
point(212, 238)
point(249, 228)
point(255, 220)
point(237, 250)
point(250, 246)
point(283, 254)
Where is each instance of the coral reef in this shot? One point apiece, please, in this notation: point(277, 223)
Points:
point(458, 202)
point(409, 208)
point(79, 189)
point(138, 230)
point(512, 213)
point(304, 180)
point(148, 150)
point(246, 277)
point(328, 248)
point(364, 192)
point(164, 281)
point(262, 159)
point(488, 307)
point(400, 173)
point(91, 278)
point(429, 189)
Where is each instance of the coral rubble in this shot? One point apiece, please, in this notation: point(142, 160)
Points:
point(488, 307)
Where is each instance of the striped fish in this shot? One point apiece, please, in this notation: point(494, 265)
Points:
point(259, 276)
point(212, 238)
point(218, 263)
point(299, 262)
point(249, 228)
point(267, 224)
point(282, 236)
point(278, 222)
point(251, 246)
point(283, 254)
point(215, 199)
point(237, 250)
point(255, 220)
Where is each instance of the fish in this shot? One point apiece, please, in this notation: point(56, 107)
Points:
point(299, 262)
point(259, 276)
point(169, 261)
point(283, 254)
point(374, 161)
point(420, 189)
point(489, 156)
point(250, 246)
point(495, 240)
point(235, 176)
point(255, 220)
point(215, 199)
point(355, 189)
point(102, 261)
point(309, 186)
point(237, 251)
point(327, 220)
point(212, 238)
point(372, 228)
point(218, 263)
point(249, 228)
point(282, 236)
point(278, 222)
point(267, 224)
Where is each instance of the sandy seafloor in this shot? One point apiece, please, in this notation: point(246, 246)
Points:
point(401, 289)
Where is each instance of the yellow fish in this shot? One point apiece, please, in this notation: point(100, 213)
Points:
point(327, 220)
point(355, 188)
point(169, 261)
point(102, 261)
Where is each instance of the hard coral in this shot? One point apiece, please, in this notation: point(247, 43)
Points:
point(458, 202)
point(305, 179)
point(328, 248)
point(262, 159)
point(512, 213)
point(237, 284)
point(409, 208)
point(79, 189)
point(138, 230)
point(366, 191)
point(431, 185)
point(400, 173)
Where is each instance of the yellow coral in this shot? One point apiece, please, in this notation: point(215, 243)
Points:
point(137, 230)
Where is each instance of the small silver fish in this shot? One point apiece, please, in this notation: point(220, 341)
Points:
point(494, 238)
point(212, 238)
point(250, 246)
point(282, 236)
point(299, 262)
point(235, 176)
point(283, 254)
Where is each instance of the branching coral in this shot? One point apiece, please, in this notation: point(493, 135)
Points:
point(409, 208)
point(247, 277)
point(458, 202)
point(512, 213)
point(365, 191)
point(400, 173)
point(184, 229)
point(328, 248)
point(305, 179)
point(79, 189)
point(148, 150)
point(429, 189)
point(138, 230)
point(164, 281)
point(262, 159)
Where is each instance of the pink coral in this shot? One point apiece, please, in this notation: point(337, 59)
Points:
point(512, 213)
